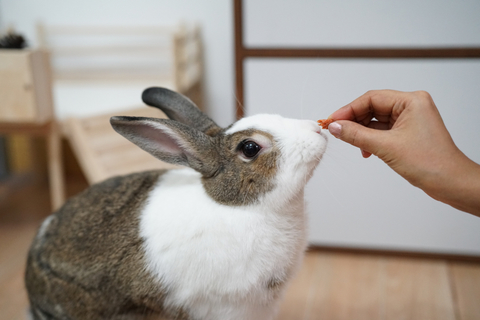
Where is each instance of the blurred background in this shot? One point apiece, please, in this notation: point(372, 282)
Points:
point(97, 56)
point(214, 17)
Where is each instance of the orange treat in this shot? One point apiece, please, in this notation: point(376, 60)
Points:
point(324, 123)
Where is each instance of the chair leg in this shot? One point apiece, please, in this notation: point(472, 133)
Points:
point(55, 167)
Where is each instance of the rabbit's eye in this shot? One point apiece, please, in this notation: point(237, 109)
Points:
point(250, 149)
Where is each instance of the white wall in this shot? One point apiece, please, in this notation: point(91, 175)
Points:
point(214, 16)
point(358, 202)
point(350, 23)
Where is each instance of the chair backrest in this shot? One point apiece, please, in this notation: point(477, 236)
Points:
point(149, 54)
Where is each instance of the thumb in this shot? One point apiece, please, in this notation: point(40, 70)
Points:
point(357, 135)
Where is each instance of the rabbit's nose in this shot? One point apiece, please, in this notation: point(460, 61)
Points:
point(311, 125)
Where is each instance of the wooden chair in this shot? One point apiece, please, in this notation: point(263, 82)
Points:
point(98, 70)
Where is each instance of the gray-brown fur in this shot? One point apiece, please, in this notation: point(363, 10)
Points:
point(275, 285)
point(237, 182)
point(226, 178)
point(179, 108)
point(89, 264)
point(203, 146)
point(198, 150)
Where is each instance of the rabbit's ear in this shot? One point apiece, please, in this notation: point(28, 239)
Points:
point(179, 108)
point(170, 141)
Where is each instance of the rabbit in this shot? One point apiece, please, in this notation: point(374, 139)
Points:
point(217, 239)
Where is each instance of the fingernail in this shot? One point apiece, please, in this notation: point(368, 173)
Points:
point(335, 129)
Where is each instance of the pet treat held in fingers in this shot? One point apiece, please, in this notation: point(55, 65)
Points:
point(324, 123)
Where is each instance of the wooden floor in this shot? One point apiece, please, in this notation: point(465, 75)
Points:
point(355, 286)
point(329, 286)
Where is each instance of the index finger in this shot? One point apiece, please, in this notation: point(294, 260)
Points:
point(373, 104)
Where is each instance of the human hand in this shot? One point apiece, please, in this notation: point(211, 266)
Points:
point(406, 131)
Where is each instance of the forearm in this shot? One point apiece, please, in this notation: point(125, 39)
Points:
point(458, 185)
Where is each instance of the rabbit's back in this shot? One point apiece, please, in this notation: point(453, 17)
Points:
point(87, 261)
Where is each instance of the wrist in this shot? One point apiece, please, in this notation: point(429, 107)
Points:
point(456, 183)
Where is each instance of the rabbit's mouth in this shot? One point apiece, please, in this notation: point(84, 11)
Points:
point(312, 150)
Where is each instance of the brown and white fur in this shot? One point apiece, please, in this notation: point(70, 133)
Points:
point(217, 240)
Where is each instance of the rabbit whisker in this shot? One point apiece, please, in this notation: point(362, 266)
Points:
point(239, 104)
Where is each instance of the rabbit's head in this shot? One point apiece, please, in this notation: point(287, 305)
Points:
point(262, 158)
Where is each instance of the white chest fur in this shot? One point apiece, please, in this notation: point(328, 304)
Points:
point(217, 261)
